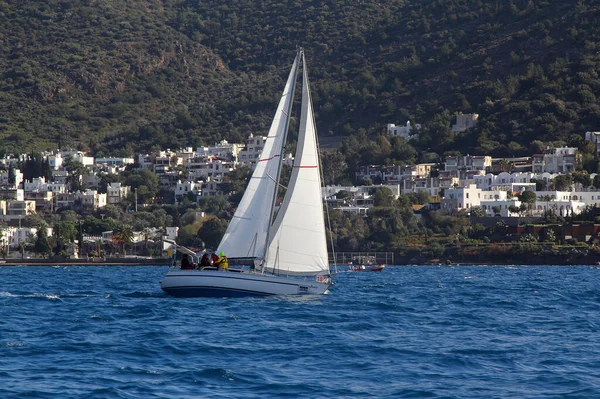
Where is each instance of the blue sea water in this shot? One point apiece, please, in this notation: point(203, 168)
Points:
point(407, 332)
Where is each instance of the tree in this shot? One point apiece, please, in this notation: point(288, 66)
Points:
point(383, 196)
point(214, 205)
point(540, 184)
point(212, 230)
point(334, 166)
point(42, 245)
point(64, 234)
point(562, 182)
point(478, 211)
point(4, 240)
point(402, 151)
point(582, 178)
point(528, 198)
point(145, 181)
point(235, 183)
point(123, 235)
point(537, 147)
point(75, 171)
point(514, 209)
point(523, 208)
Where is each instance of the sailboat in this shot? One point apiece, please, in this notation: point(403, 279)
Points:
point(285, 251)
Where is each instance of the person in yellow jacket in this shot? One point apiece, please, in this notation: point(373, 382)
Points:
point(222, 263)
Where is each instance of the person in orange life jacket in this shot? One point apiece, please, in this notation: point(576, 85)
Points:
point(222, 263)
point(186, 263)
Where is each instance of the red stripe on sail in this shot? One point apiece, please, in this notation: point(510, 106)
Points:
point(268, 159)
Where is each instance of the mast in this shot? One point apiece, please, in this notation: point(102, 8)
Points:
point(297, 238)
point(287, 113)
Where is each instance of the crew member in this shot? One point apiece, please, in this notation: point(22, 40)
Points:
point(186, 263)
point(222, 263)
point(205, 261)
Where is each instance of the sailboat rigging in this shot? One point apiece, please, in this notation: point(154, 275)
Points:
point(287, 249)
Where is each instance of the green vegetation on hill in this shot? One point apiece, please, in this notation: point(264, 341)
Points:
point(115, 77)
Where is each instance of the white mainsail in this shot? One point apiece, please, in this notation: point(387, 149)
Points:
point(298, 243)
point(246, 235)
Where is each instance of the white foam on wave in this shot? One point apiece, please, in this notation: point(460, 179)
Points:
point(52, 297)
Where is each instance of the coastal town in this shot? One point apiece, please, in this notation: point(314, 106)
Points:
point(476, 184)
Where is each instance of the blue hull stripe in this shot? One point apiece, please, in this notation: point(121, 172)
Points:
point(200, 291)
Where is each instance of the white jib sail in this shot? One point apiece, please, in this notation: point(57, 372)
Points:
point(246, 235)
point(298, 243)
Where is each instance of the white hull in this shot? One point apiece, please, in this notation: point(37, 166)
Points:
point(213, 283)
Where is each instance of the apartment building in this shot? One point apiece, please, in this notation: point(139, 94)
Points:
point(464, 122)
point(556, 160)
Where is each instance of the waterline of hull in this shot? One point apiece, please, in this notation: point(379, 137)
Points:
point(202, 283)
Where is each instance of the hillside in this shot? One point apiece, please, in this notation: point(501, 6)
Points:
point(114, 76)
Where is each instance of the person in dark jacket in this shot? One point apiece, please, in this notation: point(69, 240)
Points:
point(214, 258)
point(205, 261)
point(186, 262)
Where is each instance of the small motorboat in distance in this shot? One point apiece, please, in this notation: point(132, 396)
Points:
point(367, 268)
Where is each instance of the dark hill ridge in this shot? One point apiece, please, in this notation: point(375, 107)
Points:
point(119, 76)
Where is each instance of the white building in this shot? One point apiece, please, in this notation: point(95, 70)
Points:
point(594, 137)
point(183, 188)
point(12, 160)
point(13, 210)
point(171, 233)
point(214, 169)
point(91, 199)
point(556, 160)
point(185, 154)
point(165, 161)
point(402, 131)
point(466, 198)
point(57, 160)
point(560, 203)
point(329, 191)
point(116, 193)
point(254, 147)
point(223, 150)
point(60, 176)
point(64, 200)
point(468, 162)
point(146, 161)
point(393, 173)
point(11, 237)
point(115, 161)
point(5, 177)
point(211, 188)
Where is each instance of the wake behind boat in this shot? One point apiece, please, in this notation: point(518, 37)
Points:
point(287, 253)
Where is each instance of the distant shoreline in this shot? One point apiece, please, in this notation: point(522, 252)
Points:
point(85, 262)
point(167, 262)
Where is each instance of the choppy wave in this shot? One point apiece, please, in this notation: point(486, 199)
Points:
point(407, 332)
